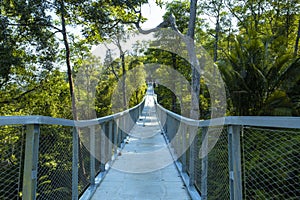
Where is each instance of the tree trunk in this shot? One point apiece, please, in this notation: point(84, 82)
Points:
point(192, 21)
point(174, 63)
point(297, 40)
point(217, 29)
point(122, 57)
point(123, 79)
point(195, 88)
point(70, 79)
point(69, 69)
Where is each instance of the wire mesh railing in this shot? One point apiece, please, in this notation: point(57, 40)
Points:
point(49, 158)
point(182, 139)
point(217, 170)
point(233, 158)
point(271, 163)
point(84, 160)
point(236, 157)
point(11, 154)
point(54, 163)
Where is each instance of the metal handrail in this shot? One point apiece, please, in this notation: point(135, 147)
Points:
point(261, 121)
point(114, 133)
point(233, 124)
point(45, 120)
point(185, 133)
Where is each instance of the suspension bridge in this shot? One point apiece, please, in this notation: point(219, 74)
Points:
point(149, 152)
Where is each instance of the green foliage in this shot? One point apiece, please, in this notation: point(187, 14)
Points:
point(86, 81)
point(257, 82)
point(48, 96)
point(25, 38)
point(110, 80)
point(255, 56)
point(171, 98)
point(99, 18)
point(180, 9)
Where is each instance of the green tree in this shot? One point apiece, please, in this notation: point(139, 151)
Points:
point(26, 45)
point(255, 83)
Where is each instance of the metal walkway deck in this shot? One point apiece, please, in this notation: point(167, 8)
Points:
point(144, 168)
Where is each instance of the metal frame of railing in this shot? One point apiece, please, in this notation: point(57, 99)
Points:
point(194, 136)
point(109, 127)
point(196, 172)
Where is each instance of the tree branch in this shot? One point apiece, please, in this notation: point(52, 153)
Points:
point(20, 96)
point(36, 24)
point(169, 22)
point(235, 15)
point(111, 64)
point(192, 21)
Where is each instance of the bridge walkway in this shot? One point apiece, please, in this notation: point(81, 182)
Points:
point(144, 168)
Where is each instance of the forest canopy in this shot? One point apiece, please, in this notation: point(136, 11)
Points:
point(254, 44)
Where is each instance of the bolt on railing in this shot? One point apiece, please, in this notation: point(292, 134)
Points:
point(235, 157)
point(59, 158)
